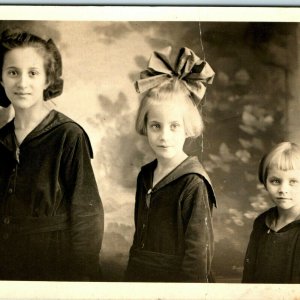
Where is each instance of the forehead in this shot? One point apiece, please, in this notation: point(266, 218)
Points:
point(166, 111)
point(285, 174)
point(23, 57)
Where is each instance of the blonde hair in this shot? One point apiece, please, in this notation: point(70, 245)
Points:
point(283, 156)
point(167, 91)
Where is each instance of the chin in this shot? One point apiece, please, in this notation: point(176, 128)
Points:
point(285, 207)
point(165, 156)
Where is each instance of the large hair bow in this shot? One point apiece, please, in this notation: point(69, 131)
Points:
point(188, 67)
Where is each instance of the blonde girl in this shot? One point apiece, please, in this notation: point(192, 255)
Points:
point(273, 254)
point(173, 240)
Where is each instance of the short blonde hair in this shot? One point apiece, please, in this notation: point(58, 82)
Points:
point(166, 91)
point(284, 156)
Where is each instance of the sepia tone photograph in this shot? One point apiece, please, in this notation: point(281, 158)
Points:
point(144, 154)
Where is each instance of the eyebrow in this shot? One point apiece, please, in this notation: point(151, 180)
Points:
point(175, 121)
point(14, 67)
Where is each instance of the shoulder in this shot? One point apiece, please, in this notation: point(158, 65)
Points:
point(260, 220)
point(193, 180)
point(72, 131)
point(65, 123)
point(6, 127)
point(194, 184)
point(266, 213)
point(195, 175)
point(148, 168)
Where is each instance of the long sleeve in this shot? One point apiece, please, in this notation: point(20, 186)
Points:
point(127, 273)
point(199, 244)
point(86, 211)
point(250, 258)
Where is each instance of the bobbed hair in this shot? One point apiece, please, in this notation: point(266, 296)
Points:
point(16, 38)
point(283, 156)
point(171, 90)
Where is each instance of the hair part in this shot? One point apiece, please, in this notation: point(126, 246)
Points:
point(283, 156)
point(14, 38)
point(172, 90)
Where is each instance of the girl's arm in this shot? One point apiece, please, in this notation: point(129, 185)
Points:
point(87, 217)
point(199, 243)
point(127, 273)
point(250, 257)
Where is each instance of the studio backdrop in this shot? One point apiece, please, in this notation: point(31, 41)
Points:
point(251, 105)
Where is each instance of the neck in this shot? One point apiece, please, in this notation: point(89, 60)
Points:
point(26, 118)
point(165, 164)
point(288, 215)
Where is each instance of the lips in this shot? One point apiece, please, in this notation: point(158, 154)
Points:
point(163, 146)
point(22, 94)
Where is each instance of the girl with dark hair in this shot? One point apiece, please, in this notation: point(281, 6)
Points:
point(51, 215)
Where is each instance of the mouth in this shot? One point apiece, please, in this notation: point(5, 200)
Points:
point(22, 94)
point(163, 146)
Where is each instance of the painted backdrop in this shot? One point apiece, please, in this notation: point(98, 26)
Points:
point(244, 114)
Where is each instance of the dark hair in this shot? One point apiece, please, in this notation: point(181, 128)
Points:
point(11, 39)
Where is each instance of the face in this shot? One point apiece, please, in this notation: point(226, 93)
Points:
point(284, 188)
point(165, 130)
point(24, 77)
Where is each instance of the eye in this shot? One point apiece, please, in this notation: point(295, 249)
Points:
point(33, 73)
point(293, 182)
point(174, 126)
point(274, 181)
point(155, 126)
point(12, 73)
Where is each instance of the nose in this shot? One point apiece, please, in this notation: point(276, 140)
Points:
point(283, 188)
point(23, 81)
point(164, 133)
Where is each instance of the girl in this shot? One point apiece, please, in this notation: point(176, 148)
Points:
point(173, 240)
point(50, 209)
point(273, 254)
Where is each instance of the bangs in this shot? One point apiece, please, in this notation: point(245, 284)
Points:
point(287, 160)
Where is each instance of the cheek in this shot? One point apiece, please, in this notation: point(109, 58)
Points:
point(6, 84)
point(270, 188)
point(181, 136)
point(150, 137)
point(296, 189)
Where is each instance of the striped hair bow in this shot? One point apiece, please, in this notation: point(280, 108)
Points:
point(188, 67)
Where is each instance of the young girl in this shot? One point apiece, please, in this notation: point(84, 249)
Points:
point(273, 254)
point(51, 216)
point(173, 240)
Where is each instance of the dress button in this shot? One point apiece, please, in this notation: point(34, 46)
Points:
point(13, 170)
point(144, 225)
point(143, 245)
point(10, 191)
point(6, 220)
